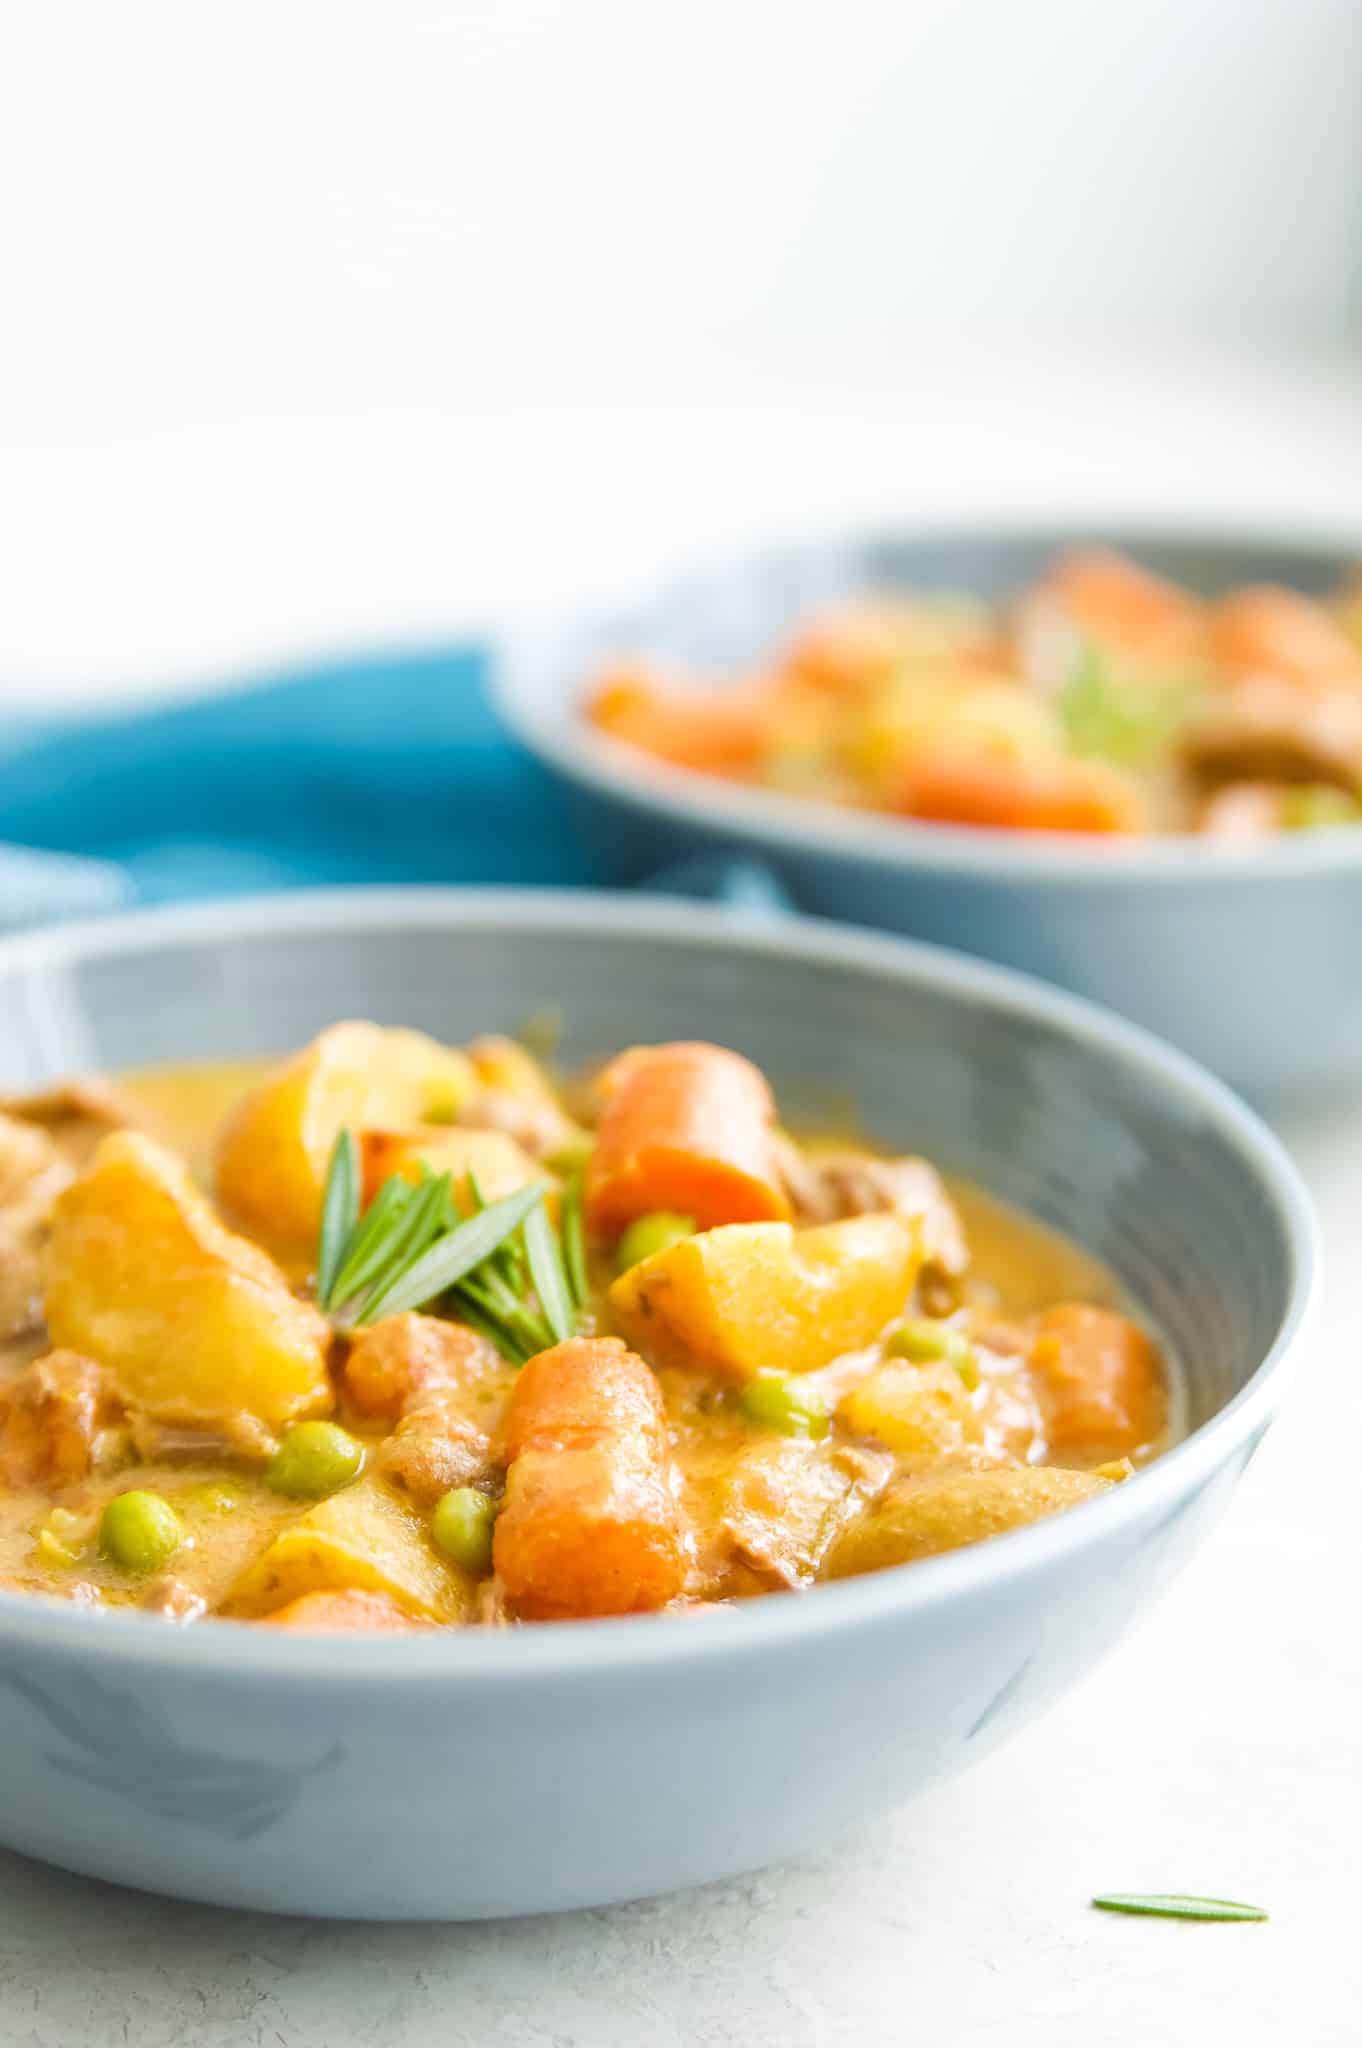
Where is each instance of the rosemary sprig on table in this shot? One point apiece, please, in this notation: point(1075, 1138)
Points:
point(502, 1268)
point(1177, 1906)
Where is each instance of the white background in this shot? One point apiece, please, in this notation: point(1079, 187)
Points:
point(324, 321)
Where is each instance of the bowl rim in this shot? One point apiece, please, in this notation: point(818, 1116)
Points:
point(560, 739)
point(589, 1649)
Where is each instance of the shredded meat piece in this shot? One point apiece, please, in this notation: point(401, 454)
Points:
point(826, 1187)
point(21, 1285)
point(1242, 811)
point(403, 1354)
point(157, 1443)
point(76, 1115)
point(539, 1125)
point(173, 1600)
point(59, 1421)
point(489, 1605)
point(32, 1169)
point(33, 1172)
point(435, 1446)
point(1268, 730)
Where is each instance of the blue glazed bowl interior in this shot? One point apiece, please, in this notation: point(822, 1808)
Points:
point(1081, 1121)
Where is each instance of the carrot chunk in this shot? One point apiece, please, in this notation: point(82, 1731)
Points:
point(1059, 795)
point(1100, 1380)
point(1269, 632)
point(346, 1613)
point(1124, 606)
point(687, 1128)
point(717, 731)
point(590, 1524)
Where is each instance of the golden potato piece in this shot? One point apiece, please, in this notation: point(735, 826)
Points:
point(273, 1156)
point(752, 1296)
point(498, 1162)
point(194, 1324)
point(920, 1517)
point(921, 1411)
point(782, 1505)
point(365, 1538)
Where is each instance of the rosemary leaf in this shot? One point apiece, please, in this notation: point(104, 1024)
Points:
point(1177, 1906)
point(365, 1252)
point(489, 1292)
point(340, 1213)
point(546, 1271)
point(454, 1255)
point(506, 1258)
point(421, 1221)
point(574, 1241)
point(487, 1326)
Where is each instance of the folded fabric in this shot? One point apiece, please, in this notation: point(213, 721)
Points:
point(377, 768)
point(380, 768)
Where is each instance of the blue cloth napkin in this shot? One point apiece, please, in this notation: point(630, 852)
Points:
point(378, 768)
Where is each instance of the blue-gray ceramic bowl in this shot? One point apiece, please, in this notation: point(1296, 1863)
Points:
point(515, 1771)
point(1248, 958)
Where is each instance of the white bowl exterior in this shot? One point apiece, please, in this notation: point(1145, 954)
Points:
point(475, 1775)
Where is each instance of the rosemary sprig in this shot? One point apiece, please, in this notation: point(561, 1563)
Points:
point(501, 1267)
point(1177, 1906)
point(362, 1257)
point(340, 1212)
point(452, 1256)
point(487, 1326)
point(422, 1218)
point(574, 1240)
point(546, 1271)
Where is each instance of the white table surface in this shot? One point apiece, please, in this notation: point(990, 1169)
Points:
point(1220, 1750)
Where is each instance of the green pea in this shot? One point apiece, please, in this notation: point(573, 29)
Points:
point(1317, 805)
point(140, 1531)
point(462, 1528)
point(572, 1155)
point(783, 1401)
point(927, 1343)
point(649, 1234)
point(314, 1459)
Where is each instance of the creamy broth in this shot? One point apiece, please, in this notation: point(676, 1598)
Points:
point(962, 1411)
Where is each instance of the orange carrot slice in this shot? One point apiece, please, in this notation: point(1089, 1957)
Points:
point(1265, 631)
point(1005, 791)
point(343, 1613)
point(718, 731)
point(1115, 601)
point(1100, 1380)
point(686, 1127)
point(590, 1524)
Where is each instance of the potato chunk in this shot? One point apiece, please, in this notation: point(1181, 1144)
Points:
point(273, 1157)
point(499, 1164)
point(783, 1505)
point(944, 1511)
point(920, 1411)
point(195, 1325)
point(751, 1296)
point(365, 1538)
